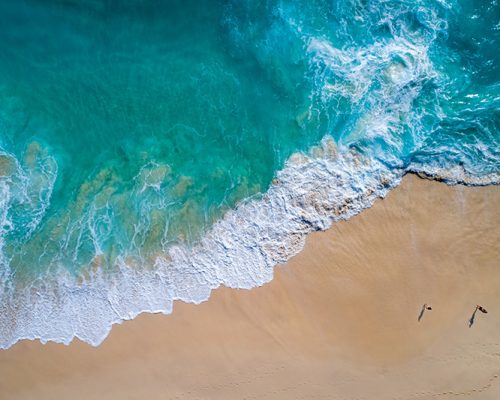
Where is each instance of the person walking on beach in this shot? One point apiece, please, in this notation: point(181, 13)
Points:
point(482, 309)
point(472, 318)
point(422, 311)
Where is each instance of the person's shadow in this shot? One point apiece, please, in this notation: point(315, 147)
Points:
point(472, 318)
point(422, 311)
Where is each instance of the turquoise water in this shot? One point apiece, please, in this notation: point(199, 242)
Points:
point(154, 126)
point(129, 128)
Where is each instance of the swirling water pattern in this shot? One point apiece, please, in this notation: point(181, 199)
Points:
point(150, 151)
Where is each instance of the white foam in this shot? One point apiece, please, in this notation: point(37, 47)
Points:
point(353, 70)
point(453, 175)
point(240, 251)
point(313, 191)
point(29, 187)
point(382, 81)
point(5, 226)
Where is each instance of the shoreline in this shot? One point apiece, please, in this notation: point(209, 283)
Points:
point(240, 250)
point(339, 320)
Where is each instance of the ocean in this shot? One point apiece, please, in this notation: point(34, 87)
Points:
point(151, 151)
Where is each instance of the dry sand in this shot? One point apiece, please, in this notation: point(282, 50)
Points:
point(339, 321)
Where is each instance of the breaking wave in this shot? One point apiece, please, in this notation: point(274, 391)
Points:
point(162, 191)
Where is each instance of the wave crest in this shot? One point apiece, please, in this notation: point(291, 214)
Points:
point(240, 251)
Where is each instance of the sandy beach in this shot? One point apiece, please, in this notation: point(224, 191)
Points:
point(339, 320)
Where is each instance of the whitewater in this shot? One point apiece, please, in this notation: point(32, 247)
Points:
point(91, 236)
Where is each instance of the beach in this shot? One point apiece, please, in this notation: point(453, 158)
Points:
point(339, 321)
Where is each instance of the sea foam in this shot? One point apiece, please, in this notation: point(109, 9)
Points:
point(240, 251)
point(310, 193)
point(391, 97)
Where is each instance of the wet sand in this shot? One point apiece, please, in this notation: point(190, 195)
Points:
point(339, 320)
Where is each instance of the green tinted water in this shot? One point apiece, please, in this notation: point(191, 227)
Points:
point(128, 126)
point(155, 126)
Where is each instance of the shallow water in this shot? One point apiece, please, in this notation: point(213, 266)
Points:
point(130, 132)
